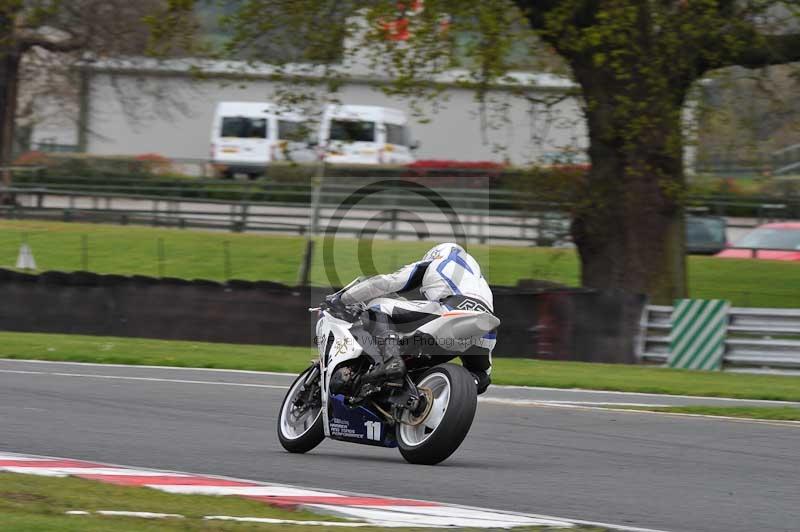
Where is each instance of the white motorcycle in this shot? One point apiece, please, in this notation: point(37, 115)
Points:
point(426, 413)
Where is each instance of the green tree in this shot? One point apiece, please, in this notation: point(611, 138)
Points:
point(72, 30)
point(635, 62)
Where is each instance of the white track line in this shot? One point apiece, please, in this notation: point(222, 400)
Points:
point(143, 515)
point(645, 394)
point(560, 402)
point(149, 379)
point(577, 406)
point(494, 386)
point(269, 520)
point(145, 366)
point(585, 405)
point(244, 491)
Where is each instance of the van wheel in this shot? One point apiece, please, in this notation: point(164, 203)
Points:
point(227, 174)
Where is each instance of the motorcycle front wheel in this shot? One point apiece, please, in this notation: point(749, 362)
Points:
point(441, 431)
point(300, 426)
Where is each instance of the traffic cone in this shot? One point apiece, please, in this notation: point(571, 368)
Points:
point(25, 260)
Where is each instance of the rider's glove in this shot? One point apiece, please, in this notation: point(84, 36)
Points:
point(337, 307)
point(334, 301)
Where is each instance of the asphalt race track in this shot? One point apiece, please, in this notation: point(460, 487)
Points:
point(675, 473)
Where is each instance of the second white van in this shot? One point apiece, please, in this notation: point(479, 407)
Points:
point(365, 134)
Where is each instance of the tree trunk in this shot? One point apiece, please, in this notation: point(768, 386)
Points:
point(9, 76)
point(629, 224)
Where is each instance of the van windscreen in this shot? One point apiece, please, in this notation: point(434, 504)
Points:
point(244, 127)
point(352, 131)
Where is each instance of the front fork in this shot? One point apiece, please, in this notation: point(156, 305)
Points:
point(313, 374)
point(307, 389)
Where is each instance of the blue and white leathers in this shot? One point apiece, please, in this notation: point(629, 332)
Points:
point(445, 270)
point(454, 272)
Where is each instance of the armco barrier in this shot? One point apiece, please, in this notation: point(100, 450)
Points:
point(556, 324)
point(756, 337)
point(698, 334)
point(538, 223)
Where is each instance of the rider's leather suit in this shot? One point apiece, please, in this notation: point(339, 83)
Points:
point(449, 278)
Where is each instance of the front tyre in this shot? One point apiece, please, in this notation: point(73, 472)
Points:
point(439, 434)
point(300, 419)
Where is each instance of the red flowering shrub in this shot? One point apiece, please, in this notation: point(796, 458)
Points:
point(33, 158)
point(155, 163)
point(448, 163)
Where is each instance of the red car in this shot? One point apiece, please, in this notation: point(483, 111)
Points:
point(776, 241)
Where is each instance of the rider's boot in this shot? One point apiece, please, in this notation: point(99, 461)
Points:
point(392, 368)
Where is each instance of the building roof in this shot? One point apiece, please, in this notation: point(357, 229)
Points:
point(245, 69)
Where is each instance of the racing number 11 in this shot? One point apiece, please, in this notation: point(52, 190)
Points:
point(373, 430)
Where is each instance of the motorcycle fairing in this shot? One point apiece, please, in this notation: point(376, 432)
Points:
point(358, 424)
point(338, 341)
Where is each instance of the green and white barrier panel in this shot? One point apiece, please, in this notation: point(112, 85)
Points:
point(699, 328)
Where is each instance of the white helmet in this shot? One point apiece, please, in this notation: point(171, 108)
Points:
point(441, 251)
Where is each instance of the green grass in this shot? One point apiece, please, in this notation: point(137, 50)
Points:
point(30, 503)
point(746, 282)
point(34, 503)
point(522, 372)
point(644, 379)
point(776, 413)
point(200, 255)
point(140, 351)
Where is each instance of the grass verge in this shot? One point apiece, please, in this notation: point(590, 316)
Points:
point(33, 503)
point(522, 372)
point(776, 413)
point(30, 503)
point(202, 255)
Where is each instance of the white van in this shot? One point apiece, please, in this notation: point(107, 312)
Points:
point(365, 134)
point(247, 136)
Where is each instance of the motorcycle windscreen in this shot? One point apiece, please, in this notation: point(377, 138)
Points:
point(358, 424)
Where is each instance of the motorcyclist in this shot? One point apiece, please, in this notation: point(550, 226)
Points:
point(449, 278)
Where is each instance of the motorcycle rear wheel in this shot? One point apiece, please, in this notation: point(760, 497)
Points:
point(299, 433)
point(441, 432)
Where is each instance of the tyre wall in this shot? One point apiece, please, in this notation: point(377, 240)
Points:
point(551, 323)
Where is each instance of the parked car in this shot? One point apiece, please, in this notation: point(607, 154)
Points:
point(705, 235)
point(775, 241)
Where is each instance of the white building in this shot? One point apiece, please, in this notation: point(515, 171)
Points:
point(138, 106)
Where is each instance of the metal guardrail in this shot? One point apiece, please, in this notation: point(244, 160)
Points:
point(384, 217)
point(764, 209)
point(298, 193)
point(484, 215)
point(757, 337)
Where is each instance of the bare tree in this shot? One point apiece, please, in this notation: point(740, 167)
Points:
point(44, 39)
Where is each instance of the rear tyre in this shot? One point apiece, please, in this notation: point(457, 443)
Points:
point(441, 432)
point(300, 427)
